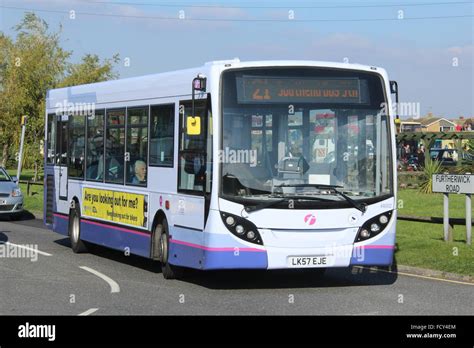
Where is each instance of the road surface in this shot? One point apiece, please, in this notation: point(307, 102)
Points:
point(106, 282)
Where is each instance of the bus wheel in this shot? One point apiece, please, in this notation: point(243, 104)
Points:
point(162, 235)
point(77, 244)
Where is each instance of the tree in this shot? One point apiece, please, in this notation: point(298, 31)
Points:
point(5, 134)
point(30, 66)
point(90, 70)
point(35, 62)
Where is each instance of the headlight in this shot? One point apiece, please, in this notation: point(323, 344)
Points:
point(16, 192)
point(230, 221)
point(383, 219)
point(239, 229)
point(373, 226)
point(242, 228)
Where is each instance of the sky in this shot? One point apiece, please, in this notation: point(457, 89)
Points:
point(432, 58)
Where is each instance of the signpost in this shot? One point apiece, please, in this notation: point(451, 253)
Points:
point(460, 184)
point(20, 155)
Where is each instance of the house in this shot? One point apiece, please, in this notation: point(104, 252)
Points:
point(410, 126)
point(437, 124)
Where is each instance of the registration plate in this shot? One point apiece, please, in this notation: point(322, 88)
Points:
point(309, 261)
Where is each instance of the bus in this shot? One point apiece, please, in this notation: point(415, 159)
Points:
point(232, 165)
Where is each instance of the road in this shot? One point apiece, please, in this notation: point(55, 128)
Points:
point(106, 282)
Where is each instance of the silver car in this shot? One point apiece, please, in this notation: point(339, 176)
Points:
point(11, 198)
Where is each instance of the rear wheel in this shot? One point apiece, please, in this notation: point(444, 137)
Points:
point(161, 236)
point(77, 245)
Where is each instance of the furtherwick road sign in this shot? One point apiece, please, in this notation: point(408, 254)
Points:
point(460, 184)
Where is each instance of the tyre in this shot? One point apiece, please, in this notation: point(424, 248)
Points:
point(16, 216)
point(77, 245)
point(161, 236)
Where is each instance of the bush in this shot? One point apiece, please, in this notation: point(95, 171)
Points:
point(431, 168)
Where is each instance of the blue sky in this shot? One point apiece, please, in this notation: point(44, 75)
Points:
point(419, 54)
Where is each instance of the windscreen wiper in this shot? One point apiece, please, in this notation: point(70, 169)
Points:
point(253, 208)
point(359, 206)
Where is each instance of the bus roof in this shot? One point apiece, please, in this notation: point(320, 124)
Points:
point(174, 83)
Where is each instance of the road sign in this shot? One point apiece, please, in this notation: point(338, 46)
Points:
point(452, 183)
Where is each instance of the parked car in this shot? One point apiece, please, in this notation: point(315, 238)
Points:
point(450, 157)
point(447, 157)
point(11, 198)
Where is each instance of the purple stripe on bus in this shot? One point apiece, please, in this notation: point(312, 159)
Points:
point(115, 227)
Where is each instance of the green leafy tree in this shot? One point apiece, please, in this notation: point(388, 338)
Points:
point(29, 66)
point(35, 62)
point(90, 70)
point(5, 127)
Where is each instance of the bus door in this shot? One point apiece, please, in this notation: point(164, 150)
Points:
point(195, 165)
point(60, 171)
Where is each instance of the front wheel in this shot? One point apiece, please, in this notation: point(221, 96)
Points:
point(162, 236)
point(77, 244)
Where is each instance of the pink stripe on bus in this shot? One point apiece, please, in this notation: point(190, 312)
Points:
point(214, 249)
point(60, 216)
point(376, 246)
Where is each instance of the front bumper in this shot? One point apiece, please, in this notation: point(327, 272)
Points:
point(11, 205)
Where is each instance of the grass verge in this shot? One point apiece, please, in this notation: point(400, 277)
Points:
point(422, 245)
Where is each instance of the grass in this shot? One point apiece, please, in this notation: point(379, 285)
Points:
point(422, 245)
point(34, 202)
point(411, 202)
point(26, 174)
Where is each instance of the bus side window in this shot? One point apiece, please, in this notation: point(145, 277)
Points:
point(77, 131)
point(162, 135)
point(137, 145)
point(115, 146)
point(61, 141)
point(51, 139)
point(95, 146)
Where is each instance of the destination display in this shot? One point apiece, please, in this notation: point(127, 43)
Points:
point(255, 89)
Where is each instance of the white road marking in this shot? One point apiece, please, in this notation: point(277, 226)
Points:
point(423, 277)
point(26, 248)
point(114, 287)
point(89, 311)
